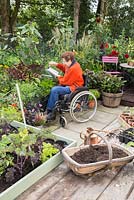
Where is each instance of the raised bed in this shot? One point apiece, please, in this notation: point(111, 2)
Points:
point(24, 183)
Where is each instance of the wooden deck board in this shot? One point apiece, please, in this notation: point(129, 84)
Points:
point(44, 184)
point(73, 187)
point(120, 186)
point(95, 186)
point(131, 197)
point(63, 184)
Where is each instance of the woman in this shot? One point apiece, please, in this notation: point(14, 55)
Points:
point(68, 83)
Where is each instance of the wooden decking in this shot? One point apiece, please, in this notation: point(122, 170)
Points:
point(63, 184)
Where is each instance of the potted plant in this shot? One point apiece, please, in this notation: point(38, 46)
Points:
point(96, 93)
point(111, 87)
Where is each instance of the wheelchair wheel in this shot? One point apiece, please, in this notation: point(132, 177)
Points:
point(81, 107)
point(63, 122)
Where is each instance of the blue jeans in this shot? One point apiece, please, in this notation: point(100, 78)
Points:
point(54, 95)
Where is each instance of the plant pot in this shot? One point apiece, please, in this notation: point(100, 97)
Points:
point(24, 183)
point(91, 104)
point(130, 122)
point(111, 100)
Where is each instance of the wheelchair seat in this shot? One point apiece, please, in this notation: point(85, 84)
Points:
point(68, 97)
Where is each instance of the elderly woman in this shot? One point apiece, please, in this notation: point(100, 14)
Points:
point(68, 83)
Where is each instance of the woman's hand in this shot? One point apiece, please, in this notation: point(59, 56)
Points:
point(52, 63)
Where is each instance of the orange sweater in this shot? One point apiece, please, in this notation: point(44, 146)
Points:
point(72, 76)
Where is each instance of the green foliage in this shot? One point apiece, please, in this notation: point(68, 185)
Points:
point(95, 92)
point(111, 84)
point(46, 84)
point(62, 40)
point(21, 145)
point(119, 15)
point(130, 144)
point(27, 40)
point(10, 113)
point(29, 92)
point(5, 83)
point(48, 151)
point(6, 159)
point(7, 57)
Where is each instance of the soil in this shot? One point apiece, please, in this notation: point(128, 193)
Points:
point(6, 128)
point(95, 154)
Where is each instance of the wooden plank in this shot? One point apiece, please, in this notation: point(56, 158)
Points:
point(131, 197)
point(120, 186)
point(44, 184)
point(65, 188)
point(73, 187)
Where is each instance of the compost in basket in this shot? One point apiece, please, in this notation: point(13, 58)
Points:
point(95, 154)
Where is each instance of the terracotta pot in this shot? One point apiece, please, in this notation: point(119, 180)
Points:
point(94, 139)
point(124, 116)
point(91, 104)
point(130, 122)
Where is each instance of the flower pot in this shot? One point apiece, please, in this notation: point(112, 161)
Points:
point(24, 183)
point(91, 104)
point(130, 122)
point(111, 100)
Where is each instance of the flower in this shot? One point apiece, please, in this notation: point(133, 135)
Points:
point(126, 55)
point(106, 45)
point(114, 53)
point(110, 50)
point(14, 105)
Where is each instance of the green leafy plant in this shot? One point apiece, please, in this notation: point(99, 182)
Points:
point(6, 159)
point(48, 151)
point(112, 84)
point(10, 113)
point(27, 39)
point(95, 92)
point(21, 144)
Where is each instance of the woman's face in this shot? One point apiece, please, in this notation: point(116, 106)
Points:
point(68, 63)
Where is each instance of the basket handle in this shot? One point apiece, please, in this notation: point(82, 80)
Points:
point(105, 140)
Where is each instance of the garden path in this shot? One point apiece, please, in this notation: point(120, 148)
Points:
point(63, 184)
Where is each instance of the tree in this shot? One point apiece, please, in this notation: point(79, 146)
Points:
point(76, 18)
point(101, 9)
point(8, 15)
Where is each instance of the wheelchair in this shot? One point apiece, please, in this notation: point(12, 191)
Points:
point(78, 104)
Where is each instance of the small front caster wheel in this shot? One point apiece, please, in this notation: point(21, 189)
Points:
point(63, 122)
